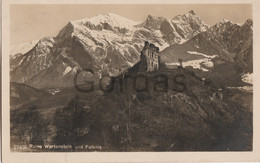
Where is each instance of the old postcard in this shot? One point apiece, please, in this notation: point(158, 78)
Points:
point(139, 81)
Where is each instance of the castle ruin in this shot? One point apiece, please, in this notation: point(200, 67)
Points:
point(150, 57)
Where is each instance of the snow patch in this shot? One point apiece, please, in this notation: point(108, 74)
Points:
point(197, 53)
point(54, 91)
point(196, 64)
point(67, 70)
point(183, 40)
point(21, 61)
point(201, 64)
point(247, 78)
point(112, 19)
point(246, 88)
point(208, 63)
point(197, 46)
point(74, 70)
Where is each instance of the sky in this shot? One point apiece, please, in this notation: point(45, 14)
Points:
point(31, 22)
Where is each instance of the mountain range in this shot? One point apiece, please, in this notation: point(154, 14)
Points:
point(109, 44)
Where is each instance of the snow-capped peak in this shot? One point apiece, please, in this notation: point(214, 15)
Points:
point(111, 19)
point(248, 22)
point(154, 17)
point(225, 21)
point(45, 42)
point(192, 12)
point(22, 48)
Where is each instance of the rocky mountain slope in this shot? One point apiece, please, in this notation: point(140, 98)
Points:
point(229, 41)
point(107, 44)
point(222, 54)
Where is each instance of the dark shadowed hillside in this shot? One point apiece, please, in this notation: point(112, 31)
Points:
point(21, 93)
point(190, 115)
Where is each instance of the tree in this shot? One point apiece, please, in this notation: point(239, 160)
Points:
point(71, 123)
point(18, 129)
point(37, 126)
point(29, 126)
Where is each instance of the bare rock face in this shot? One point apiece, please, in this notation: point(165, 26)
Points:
point(182, 27)
point(237, 40)
point(245, 56)
point(153, 22)
point(231, 42)
point(188, 25)
point(169, 33)
point(39, 58)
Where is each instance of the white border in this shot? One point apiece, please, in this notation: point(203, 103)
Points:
point(130, 156)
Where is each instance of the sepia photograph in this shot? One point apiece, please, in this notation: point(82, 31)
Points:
point(130, 78)
point(121, 81)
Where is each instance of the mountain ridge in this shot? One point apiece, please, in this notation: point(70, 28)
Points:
point(104, 45)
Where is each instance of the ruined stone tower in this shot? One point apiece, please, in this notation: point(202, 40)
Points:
point(150, 57)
